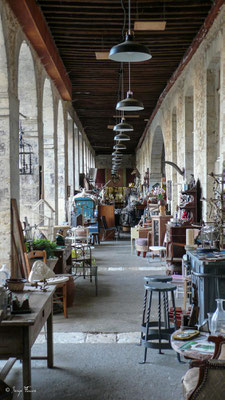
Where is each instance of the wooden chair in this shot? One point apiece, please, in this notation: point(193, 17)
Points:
point(58, 298)
point(107, 228)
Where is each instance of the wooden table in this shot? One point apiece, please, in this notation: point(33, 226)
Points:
point(19, 332)
point(191, 348)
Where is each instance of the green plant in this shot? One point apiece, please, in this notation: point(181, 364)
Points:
point(44, 244)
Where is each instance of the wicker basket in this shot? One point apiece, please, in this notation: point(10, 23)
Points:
point(15, 285)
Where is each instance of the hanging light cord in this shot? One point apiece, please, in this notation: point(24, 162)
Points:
point(124, 18)
point(129, 31)
point(129, 91)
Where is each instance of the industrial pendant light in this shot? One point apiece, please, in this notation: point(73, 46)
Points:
point(129, 51)
point(122, 136)
point(117, 153)
point(123, 126)
point(129, 104)
point(116, 159)
point(119, 146)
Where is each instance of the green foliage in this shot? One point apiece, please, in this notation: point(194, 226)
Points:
point(44, 244)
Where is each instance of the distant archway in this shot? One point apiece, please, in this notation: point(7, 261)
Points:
point(213, 123)
point(48, 192)
point(174, 159)
point(189, 135)
point(157, 168)
point(29, 165)
point(61, 165)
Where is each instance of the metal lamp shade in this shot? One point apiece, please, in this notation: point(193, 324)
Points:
point(122, 136)
point(129, 51)
point(117, 153)
point(119, 146)
point(129, 104)
point(123, 126)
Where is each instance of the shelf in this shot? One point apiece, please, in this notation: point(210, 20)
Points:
point(188, 207)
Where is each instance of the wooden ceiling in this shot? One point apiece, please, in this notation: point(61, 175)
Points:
point(80, 28)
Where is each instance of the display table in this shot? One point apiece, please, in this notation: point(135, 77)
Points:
point(196, 349)
point(19, 332)
point(208, 273)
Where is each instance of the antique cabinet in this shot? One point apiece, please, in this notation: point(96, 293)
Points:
point(208, 273)
point(159, 229)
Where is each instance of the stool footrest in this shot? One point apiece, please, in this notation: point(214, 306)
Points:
point(155, 345)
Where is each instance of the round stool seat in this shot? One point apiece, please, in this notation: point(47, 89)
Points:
point(141, 241)
point(158, 278)
point(157, 248)
point(160, 287)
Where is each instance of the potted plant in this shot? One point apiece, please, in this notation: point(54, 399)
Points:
point(44, 244)
point(49, 247)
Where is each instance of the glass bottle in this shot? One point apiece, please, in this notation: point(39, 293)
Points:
point(218, 319)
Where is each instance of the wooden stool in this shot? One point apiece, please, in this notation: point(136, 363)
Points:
point(161, 250)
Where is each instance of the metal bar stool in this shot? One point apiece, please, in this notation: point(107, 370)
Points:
point(149, 279)
point(152, 338)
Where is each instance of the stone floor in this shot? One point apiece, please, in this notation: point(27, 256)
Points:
point(96, 349)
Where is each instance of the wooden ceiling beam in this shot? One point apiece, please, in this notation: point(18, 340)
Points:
point(35, 28)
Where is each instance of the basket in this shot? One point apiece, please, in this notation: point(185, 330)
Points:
point(15, 285)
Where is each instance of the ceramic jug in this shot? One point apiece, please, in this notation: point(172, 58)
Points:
point(218, 319)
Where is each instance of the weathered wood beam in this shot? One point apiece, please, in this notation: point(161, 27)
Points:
point(35, 28)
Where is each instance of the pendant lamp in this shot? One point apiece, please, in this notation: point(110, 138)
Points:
point(129, 104)
point(119, 146)
point(116, 159)
point(122, 136)
point(117, 153)
point(129, 51)
point(123, 126)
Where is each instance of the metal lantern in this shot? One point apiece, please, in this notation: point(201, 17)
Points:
point(25, 156)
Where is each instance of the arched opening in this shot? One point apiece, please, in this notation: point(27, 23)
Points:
point(49, 187)
point(77, 158)
point(71, 160)
point(213, 119)
point(29, 142)
point(157, 168)
point(174, 159)
point(5, 160)
point(189, 136)
point(61, 166)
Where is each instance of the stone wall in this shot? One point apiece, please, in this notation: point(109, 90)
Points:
point(23, 99)
point(200, 133)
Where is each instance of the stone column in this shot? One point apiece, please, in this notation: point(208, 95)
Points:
point(9, 170)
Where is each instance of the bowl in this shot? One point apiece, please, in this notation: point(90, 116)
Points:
point(16, 285)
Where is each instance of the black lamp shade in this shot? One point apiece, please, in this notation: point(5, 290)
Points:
point(130, 104)
point(119, 146)
point(129, 51)
point(123, 126)
point(122, 136)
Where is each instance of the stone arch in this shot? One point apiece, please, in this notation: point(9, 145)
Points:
point(5, 150)
point(213, 121)
point(61, 165)
point(174, 159)
point(157, 168)
point(189, 135)
point(49, 161)
point(27, 95)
